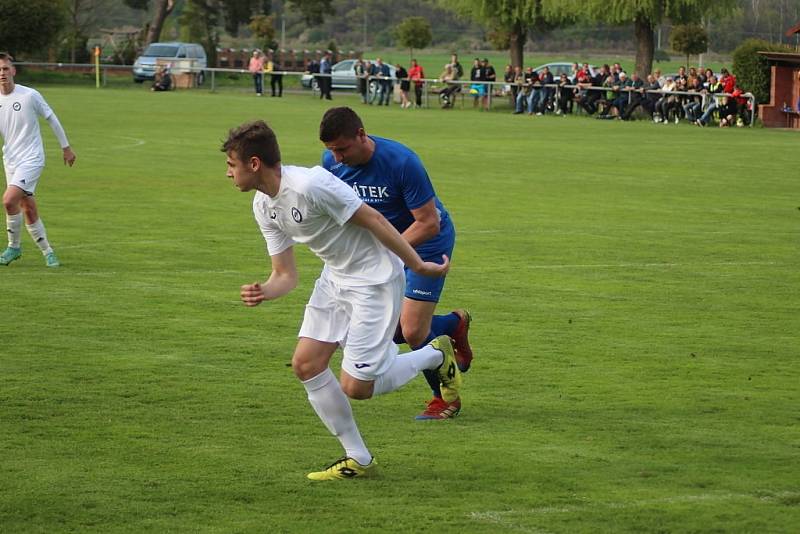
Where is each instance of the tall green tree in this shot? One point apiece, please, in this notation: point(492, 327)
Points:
point(314, 11)
point(645, 16)
point(689, 39)
point(30, 26)
point(414, 32)
point(515, 18)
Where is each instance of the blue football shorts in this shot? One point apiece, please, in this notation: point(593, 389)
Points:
point(427, 288)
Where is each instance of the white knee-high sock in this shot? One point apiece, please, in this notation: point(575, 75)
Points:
point(39, 236)
point(14, 229)
point(333, 408)
point(405, 367)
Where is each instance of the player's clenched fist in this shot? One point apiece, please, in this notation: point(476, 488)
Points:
point(252, 294)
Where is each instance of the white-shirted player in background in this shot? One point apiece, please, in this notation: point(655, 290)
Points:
point(356, 300)
point(23, 160)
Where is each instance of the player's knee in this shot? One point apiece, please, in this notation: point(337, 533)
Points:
point(415, 335)
point(305, 369)
point(10, 202)
point(357, 391)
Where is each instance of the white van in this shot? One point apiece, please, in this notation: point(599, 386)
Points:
point(144, 68)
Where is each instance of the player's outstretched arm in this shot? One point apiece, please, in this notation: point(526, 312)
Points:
point(376, 223)
point(58, 130)
point(281, 281)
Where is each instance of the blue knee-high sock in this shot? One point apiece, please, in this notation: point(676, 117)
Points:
point(430, 374)
point(444, 325)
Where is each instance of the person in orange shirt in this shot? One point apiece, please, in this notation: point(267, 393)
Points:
point(256, 67)
point(417, 75)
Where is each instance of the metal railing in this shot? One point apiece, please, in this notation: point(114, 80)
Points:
point(430, 85)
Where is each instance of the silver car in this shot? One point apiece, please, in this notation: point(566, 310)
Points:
point(144, 68)
point(344, 77)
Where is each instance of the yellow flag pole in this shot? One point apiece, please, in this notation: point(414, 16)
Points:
point(97, 66)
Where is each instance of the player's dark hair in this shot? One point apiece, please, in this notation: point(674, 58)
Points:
point(6, 56)
point(253, 139)
point(339, 122)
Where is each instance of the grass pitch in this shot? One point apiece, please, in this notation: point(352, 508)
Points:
point(635, 294)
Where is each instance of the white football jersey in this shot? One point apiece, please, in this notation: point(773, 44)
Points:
point(312, 207)
point(19, 126)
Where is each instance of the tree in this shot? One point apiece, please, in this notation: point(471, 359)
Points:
point(752, 69)
point(162, 10)
point(31, 25)
point(82, 18)
point(689, 40)
point(514, 17)
point(645, 15)
point(263, 27)
point(313, 11)
point(414, 32)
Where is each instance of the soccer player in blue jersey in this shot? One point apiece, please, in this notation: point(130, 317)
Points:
point(390, 177)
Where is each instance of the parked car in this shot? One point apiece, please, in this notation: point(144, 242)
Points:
point(144, 68)
point(344, 76)
point(559, 67)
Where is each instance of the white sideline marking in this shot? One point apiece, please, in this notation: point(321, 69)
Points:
point(649, 265)
point(504, 517)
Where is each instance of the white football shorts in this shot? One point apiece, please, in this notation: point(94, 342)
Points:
point(361, 319)
point(26, 177)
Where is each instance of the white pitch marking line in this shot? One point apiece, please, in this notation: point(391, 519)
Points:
point(650, 265)
point(502, 516)
point(136, 142)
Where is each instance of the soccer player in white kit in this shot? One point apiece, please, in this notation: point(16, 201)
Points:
point(356, 300)
point(23, 160)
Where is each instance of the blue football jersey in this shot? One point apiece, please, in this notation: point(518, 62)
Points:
point(394, 182)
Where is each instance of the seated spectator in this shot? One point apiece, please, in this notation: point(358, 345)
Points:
point(163, 80)
point(693, 105)
point(611, 93)
point(728, 111)
point(565, 96)
point(447, 95)
point(547, 94)
point(646, 96)
point(535, 94)
point(589, 99)
point(667, 103)
point(626, 87)
point(713, 101)
point(524, 83)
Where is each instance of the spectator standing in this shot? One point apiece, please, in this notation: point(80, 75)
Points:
point(385, 85)
point(510, 88)
point(417, 75)
point(489, 75)
point(405, 84)
point(274, 68)
point(325, 81)
point(360, 69)
point(476, 76)
point(256, 67)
